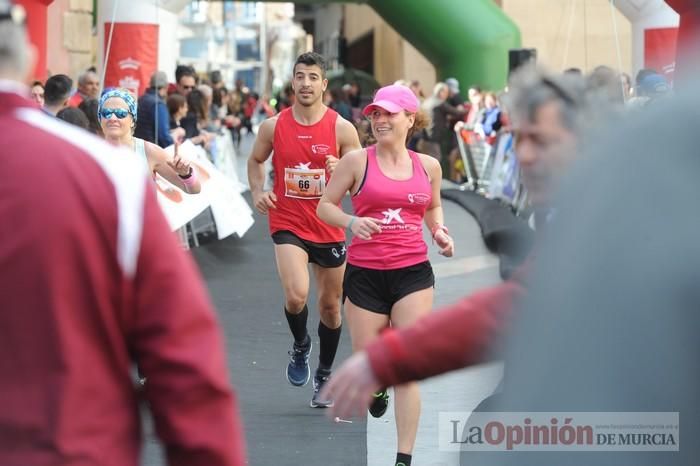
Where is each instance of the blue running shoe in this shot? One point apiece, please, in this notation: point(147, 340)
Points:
point(298, 372)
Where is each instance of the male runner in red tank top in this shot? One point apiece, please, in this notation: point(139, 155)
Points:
point(307, 139)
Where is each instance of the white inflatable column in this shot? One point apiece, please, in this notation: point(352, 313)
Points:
point(643, 15)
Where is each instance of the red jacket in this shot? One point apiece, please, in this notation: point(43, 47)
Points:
point(92, 282)
point(452, 338)
point(75, 100)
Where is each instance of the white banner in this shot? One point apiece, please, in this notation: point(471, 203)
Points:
point(220, 192)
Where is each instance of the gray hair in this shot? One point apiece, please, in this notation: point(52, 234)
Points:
point(433, 101)
point(532, 87)
point(14, 50)
point(82, 77)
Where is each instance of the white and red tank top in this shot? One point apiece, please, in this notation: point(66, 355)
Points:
point(400, 205)
point(299, 164)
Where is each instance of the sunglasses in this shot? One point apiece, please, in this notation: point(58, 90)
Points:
point(120, 113)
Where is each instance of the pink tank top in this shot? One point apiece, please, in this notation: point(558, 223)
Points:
point(401, 206)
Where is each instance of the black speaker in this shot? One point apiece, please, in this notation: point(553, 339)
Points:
point(520, 57)
point(343, 51)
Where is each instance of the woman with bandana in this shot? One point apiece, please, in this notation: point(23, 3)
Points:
point(117, 115)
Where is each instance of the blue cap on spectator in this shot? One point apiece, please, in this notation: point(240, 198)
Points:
point(453, 84)
point(654, 85)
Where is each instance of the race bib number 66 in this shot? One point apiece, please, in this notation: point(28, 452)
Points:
point(304, 184)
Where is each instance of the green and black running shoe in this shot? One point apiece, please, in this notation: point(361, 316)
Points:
point(380, 401)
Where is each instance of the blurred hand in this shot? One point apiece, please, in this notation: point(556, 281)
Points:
point(264, 201)
point(232, 121)
point(445, 243)
point(331, 163)
point(365, 227)
point(181, 167)
point(351, 387)
point(178, 135)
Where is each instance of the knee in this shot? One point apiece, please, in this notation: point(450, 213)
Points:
point(329, 304)
point(295, 301)
point(330, 313)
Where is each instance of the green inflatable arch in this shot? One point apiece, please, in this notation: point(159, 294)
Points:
point(465, 39)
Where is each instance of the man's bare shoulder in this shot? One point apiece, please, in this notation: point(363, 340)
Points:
point(341, 124)
point(346, 135)
point(267, 128)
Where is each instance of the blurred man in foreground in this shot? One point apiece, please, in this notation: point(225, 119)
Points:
point(93, 282)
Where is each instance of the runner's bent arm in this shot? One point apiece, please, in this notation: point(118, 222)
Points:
point(347, 175)
point(342, 181)
point(259, 155)
point(433, 215)
point(256, 165)
point(347, 141)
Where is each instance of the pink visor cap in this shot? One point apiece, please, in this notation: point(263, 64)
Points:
point(393, 99)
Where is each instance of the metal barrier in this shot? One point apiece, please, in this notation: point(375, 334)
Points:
point(475, 153)
point(491, 167)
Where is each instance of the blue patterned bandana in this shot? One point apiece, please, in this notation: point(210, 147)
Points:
point(122, 94)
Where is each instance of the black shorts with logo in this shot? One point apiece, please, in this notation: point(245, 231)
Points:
point(326, 255)
point(379, 290)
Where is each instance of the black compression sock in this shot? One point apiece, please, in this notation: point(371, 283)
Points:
point(329, 338)
point(402, 459)
point(297, 324)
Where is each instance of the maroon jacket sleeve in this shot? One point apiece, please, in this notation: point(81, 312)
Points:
point(179, 347)
point(447, 339)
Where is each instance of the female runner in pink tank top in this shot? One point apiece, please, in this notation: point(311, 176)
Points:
point(388, 279)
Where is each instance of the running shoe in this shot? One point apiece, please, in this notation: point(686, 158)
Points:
point(298, 372)
point(320, 380)
point(380, 401)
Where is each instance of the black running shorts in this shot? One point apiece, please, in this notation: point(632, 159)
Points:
point(379, 290)
point(326, 255)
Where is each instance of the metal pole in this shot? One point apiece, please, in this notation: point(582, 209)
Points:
point(263, 51)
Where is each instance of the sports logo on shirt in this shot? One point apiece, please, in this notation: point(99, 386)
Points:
point(320, 149)
point(392, 215)
point(418, 198)
point(303, 166)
